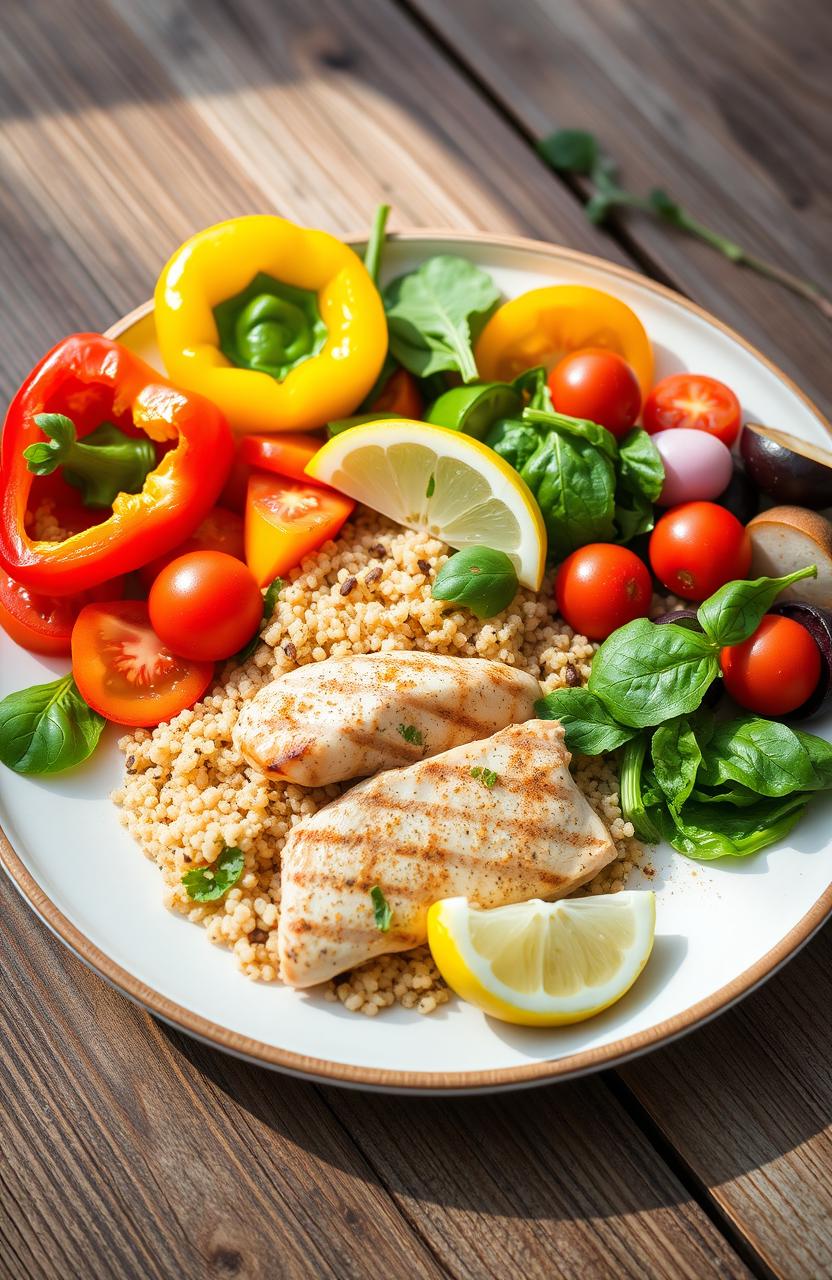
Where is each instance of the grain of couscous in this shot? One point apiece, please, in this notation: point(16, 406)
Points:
point(187, 792)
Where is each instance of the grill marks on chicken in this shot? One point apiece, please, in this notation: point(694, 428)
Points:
point(431, 831)
point(349, 717)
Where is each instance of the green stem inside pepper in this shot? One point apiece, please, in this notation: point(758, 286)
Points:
point(102, 465)
point(270, 327)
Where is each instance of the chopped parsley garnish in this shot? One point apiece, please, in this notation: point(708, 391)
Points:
point(411, 734)
point(207, 884)
point(381, 909)
point(486, 776)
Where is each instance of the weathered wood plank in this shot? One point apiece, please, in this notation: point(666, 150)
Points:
point(747, 1102)
point(727, 106)
point(123, 1156)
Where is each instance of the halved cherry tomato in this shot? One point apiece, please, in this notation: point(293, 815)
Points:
point(43, 624)
point(286, 520)
point(125, 672)
point(221, 530)
point(286, 454)
point(698, 547)
point(600, 587)
point(205, 605)
point(598, 385)
point(400, 395)
point(693, 400)
point(775, 670)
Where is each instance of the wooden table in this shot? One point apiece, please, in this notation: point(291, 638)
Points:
point(128, 1150)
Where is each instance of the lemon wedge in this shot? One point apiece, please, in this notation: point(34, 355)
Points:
point(543, 964)
point(432, 478)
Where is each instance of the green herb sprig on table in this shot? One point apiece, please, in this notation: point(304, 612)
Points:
point(710, 789)
point(574, 151)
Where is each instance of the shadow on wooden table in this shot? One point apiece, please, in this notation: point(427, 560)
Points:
point(570, 1150)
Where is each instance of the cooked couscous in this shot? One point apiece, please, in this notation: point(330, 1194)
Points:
point(187, 792)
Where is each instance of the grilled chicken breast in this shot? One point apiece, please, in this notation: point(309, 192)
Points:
point(433, 830)
point(348, 717)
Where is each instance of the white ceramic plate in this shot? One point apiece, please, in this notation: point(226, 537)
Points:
point(721, 928)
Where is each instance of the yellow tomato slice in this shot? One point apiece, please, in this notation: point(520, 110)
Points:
point(286, 520)
point(543, 325)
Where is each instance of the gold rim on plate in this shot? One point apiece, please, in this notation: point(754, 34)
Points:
point(324, 1071)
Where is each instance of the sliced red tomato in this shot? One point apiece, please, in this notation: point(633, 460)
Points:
point(693, 400)
point(125, 672)
point(400, 395)
point(286, 520)
point(286, 454)
point(43, 624)
point(221, 530)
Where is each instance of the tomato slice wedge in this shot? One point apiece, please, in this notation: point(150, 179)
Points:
point(696, 401)
point(43, 624)
point(125, 672)
point(285, 455)
point(286, 520)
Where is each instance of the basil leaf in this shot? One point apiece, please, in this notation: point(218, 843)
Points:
point(767, 757)
point(645, 674)
point(676, 759)
point(382, 911)
point(631, 773)
point(207, 884)
point(589, 727)
point(435, 312)
point(514, 440)
point(640, 466)
point(47, 728)
point(483, 580)
point(699, 835)
point(735, 611)
point(574, 484)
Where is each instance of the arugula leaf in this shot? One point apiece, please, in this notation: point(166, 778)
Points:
point(733, 834)
point(269, 601)
point(483, 580)
point(676, 759)
point(735, 611)
point(435, 312)
point(645, 674)
point(382, 911)
point(767, 757)
point(574, 484)
point(47, 728)
point(589, 728)
point(207, 884)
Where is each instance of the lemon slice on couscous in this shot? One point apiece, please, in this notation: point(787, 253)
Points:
point(431, 478)
point(543, 963)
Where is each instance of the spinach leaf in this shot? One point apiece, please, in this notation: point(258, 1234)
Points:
point(589, 727)
point(633, 515)
point(574, 484)
point(630, 777)
point(698, 834)
point(534, 384)
point(767, 757)
point(730, 793)
point(640, 467)
point(735, 611)
point(514, 440)
point(483, 580)
point(47, 728)
point(645, 674)
point(435, 312)
point(207, 884)
point(550, 420)
point(676, 759)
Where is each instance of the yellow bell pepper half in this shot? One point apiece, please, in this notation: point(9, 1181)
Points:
point(282, 327)
point(544, 325)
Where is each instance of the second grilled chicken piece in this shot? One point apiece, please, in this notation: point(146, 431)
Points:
point(348, 717)
point(497, 821)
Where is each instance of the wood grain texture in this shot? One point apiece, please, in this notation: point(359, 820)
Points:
point(727, 106)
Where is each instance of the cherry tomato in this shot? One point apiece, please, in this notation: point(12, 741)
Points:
point(400, 394)
point(125, 672)
point(697, 548)
point(775, 670)
point(598, 385)
point(221, 530)
point(600, 587)
point(693, 400)
point(43, 624)
point(205, 605)
point(286, 520)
